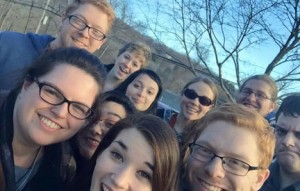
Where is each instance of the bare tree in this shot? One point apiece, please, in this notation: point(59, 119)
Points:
point(217, 33)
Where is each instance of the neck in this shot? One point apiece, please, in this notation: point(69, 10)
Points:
point(288, 178)
point(24, 154)
point(181, 123)
point(111, 82)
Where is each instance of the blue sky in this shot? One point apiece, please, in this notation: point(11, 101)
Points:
point(257, 57)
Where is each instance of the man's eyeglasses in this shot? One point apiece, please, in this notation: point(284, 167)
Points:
point(81, 25)
point(259, 95)
point(53, 96)
point(191, 94)
point(231, 165)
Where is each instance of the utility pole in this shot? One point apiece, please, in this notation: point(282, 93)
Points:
point(42, 17)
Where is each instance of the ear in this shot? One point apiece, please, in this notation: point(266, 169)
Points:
point(26, 84)
point(272, 106)
point(262, 176)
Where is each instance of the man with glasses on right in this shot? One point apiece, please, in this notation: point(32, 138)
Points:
point(85, 24)
point(259, 92)
point(232, 150)
point(285, 169)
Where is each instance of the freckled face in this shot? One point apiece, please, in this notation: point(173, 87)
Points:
point(39, 123)
point(127, 164)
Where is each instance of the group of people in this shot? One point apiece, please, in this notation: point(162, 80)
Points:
point(69, 122)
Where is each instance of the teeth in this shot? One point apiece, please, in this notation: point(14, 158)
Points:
point(49, 123)
point(209, 187)
point(104, 188)
point(192, 109)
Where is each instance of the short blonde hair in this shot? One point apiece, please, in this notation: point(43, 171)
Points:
point(243, 117)
point(103, 5)
point(141, 50)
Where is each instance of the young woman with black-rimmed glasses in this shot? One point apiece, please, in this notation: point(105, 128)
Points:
point(53, 102)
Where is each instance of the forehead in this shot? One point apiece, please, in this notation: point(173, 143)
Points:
point(258, 85)
point(202, 89)
point(69, 80)
point(146, 80)
point(289, 122)
point(135, 55)
point(230, 140)
point(138, 149)
point(92, 14)
point(112, 108)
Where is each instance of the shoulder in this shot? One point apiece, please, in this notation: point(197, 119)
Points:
point(109, 67)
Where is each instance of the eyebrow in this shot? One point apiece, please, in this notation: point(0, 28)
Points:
point(228, 155)
point(122, 145)
point(83, 18)
point(60, 91)
point(285, 128)
point(114, 114)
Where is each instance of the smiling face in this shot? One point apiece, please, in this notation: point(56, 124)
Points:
point(69, 36)
point(263, 106)
point(89, 138)
point(125, 64)
point(39, 123)
point(192, 109)
point(287, 148)
point(127, 164)
point(142, 92)
point(227, 140)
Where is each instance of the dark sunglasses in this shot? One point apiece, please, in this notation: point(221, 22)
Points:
point(191, 94)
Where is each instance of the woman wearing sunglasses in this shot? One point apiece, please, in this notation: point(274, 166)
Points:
point(51, 104)
point(198, 96)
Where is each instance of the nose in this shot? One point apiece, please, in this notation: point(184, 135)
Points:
point(142, 92)
point(60, 111)
point(121, 178)
point(127, 63)
point(289, 139)
point(97, 128)
point(84, 32)
point(215, 168)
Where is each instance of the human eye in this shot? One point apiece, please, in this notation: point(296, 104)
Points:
point(261, 95)
point(149, 92)
point(280, 131)
point(116, 156)
point(246, 91)
point(136, 85)
point(97, 32)
point(235, 164)
point(144, 175)
point(79, 108)
point(109, 123)
point(297, 135)
point(51, 92)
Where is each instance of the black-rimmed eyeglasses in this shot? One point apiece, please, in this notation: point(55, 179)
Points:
point(231, 165)
point(81, 25)
point(191, 94)
point(53, 96)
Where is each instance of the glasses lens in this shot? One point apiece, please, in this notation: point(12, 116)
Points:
point(51, 95)
point(204, 100)
point(191, 94)
point(79, 111)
